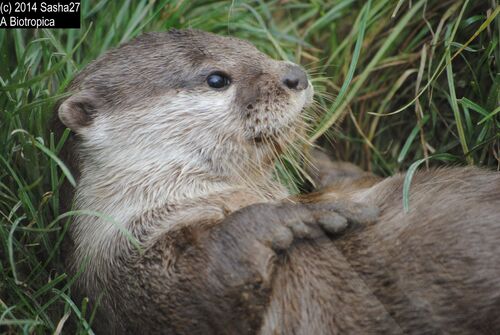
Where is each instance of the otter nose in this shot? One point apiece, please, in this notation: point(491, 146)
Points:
point(295, 78)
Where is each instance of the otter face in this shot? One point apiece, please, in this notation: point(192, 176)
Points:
point(185, 98)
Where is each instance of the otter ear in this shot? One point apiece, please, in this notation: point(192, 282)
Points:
point(78, 111)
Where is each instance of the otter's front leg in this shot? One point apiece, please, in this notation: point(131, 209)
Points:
point(217, 278)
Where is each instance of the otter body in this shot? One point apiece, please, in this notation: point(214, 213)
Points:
point(432, 270)
point(174, 137)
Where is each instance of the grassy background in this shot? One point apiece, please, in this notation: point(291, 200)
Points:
point(411, 82)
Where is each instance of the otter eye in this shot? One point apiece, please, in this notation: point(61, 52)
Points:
point(218, 80)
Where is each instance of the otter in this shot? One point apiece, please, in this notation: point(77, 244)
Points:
point(174, 139)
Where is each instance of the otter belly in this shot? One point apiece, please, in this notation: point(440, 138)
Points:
point(431, 270)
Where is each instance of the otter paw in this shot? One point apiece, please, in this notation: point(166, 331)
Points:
point(354, 212)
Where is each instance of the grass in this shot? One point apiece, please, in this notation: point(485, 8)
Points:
point(413, 84)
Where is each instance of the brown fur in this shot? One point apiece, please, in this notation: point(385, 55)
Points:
point(235, 262)
point(430, 271)
point(433, 270)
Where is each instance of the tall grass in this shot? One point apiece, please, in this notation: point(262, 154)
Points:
point(412, 82)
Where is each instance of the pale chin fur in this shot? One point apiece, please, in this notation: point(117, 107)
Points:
point(157, 163)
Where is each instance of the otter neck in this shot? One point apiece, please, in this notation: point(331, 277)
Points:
point(127, 192)
point(121, 193)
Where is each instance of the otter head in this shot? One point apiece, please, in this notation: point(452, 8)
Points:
point(183, 103)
